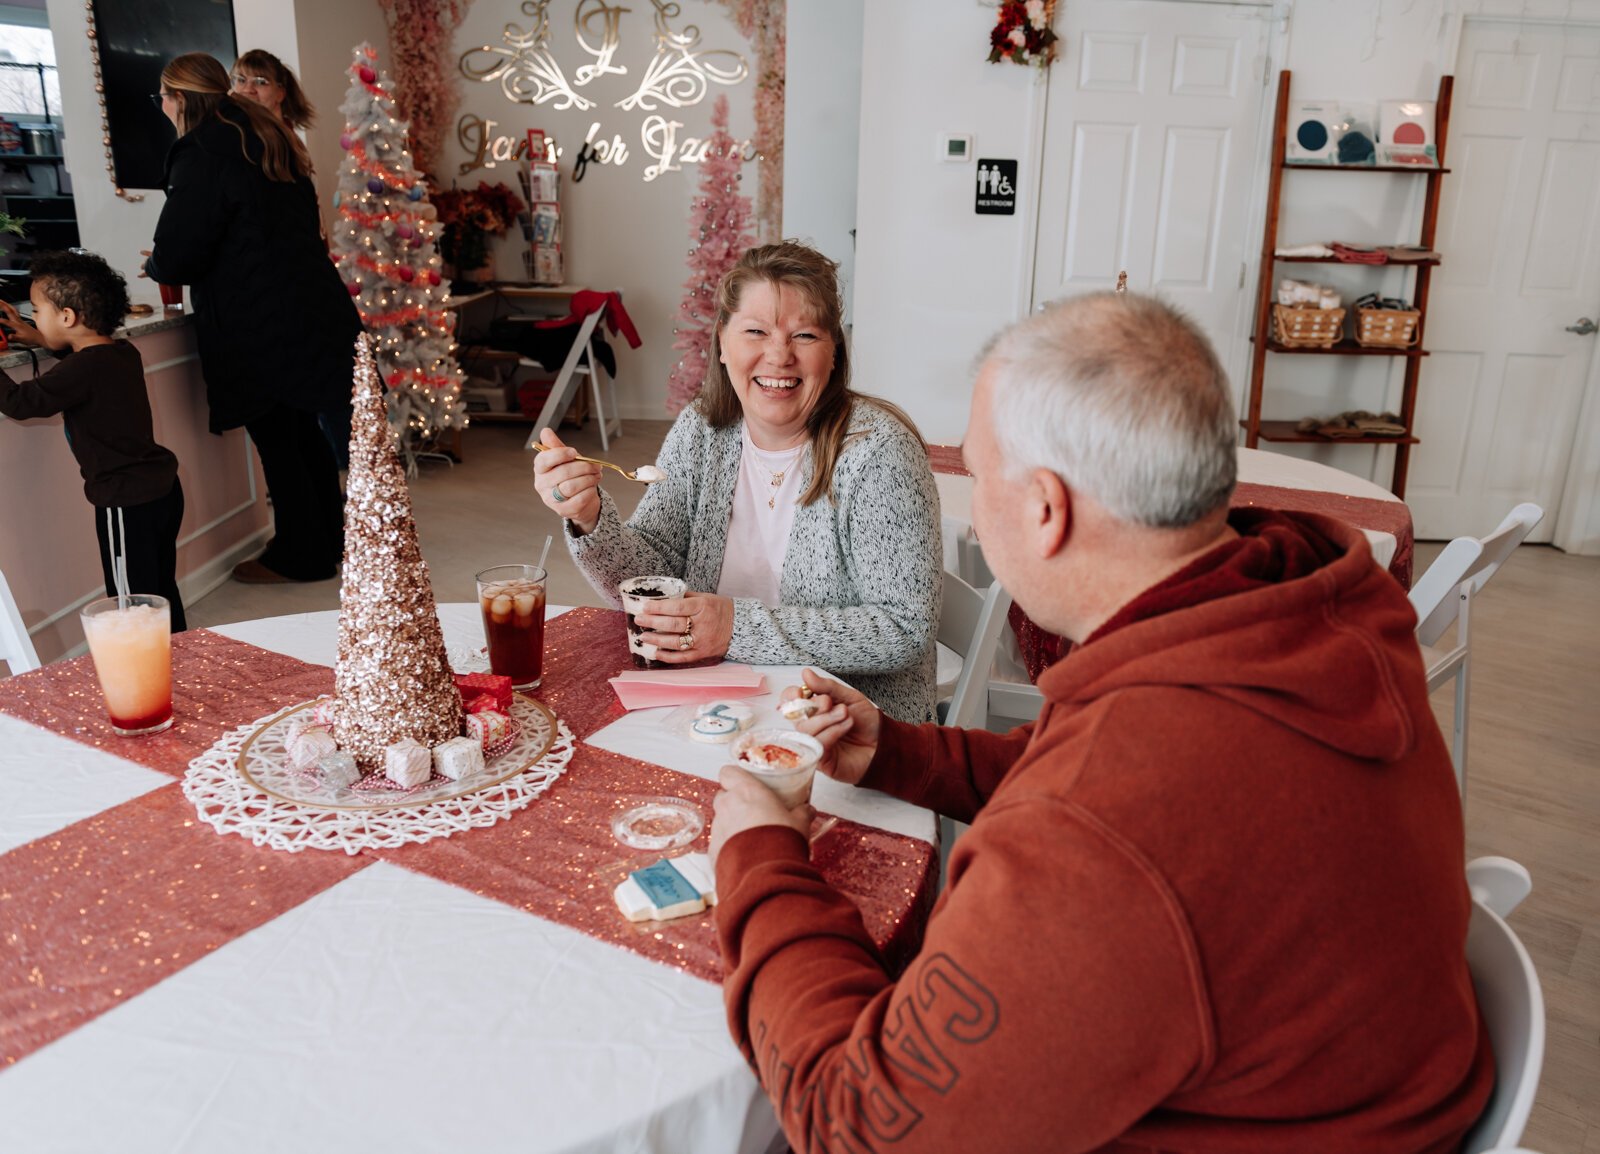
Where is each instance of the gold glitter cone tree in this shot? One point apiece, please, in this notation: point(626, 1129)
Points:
point(393, 677)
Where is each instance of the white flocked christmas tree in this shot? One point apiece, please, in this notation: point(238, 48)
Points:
point(385, 244)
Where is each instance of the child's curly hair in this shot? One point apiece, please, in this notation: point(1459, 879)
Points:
point(85, 283)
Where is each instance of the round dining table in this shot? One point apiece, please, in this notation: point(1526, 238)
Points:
point(392, 1010)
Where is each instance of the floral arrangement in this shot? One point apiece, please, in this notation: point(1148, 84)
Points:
point(1022, 33)
point(471, 214)
point(421, 33)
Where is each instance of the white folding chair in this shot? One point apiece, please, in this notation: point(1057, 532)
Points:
point(1510, 1000)
point(969, 629)
point(1443, 596)
point(580, 363)
point(16, 647)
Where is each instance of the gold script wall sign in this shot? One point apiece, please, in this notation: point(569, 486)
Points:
point(678, 75)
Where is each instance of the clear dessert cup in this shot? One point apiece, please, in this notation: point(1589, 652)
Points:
point(637, 593)
point(781, 759)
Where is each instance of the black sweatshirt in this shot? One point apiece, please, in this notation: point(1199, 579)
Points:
point(101, 395)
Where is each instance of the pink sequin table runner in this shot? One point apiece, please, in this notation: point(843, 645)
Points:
point(95, 913)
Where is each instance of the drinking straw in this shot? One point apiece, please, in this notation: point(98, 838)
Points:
point(545, 552)
point(119, 556)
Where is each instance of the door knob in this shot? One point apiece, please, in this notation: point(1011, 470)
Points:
point(1584, 327)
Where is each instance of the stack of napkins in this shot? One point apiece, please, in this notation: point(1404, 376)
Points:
point(646, 688)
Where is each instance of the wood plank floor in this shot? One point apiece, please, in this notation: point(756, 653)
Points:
point(1533, 789)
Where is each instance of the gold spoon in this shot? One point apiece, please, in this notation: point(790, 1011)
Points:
point(650, 479)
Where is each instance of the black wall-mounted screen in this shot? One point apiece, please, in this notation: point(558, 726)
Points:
point(137, 39)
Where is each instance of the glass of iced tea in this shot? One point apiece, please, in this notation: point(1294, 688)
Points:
point(172, 297)
point(512, 599)
point(637, 593)
point(130, 639)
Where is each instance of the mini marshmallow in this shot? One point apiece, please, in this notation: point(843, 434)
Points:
point(309, 746)
point(457, 757)
point(407, 763)
point(737, 711)
point(338, 770)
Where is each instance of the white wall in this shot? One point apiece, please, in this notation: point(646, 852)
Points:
point(822, 121)
point(934, 280)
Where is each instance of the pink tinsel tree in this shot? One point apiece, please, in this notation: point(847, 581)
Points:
point(719, 227)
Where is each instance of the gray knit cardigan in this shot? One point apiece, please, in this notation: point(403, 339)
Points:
point(862, 578)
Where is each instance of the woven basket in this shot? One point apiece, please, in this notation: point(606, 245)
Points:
point(1306, 328)
point(1302, 328)
point(1387, 328)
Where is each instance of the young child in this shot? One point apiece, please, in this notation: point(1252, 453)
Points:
point(98, 387)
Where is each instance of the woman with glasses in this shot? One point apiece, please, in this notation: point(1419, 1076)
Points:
point(262, 77)
point(275, 324)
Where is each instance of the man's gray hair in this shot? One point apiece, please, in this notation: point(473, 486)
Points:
point(1122, 397)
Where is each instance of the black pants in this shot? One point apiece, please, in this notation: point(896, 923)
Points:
point(148, 534)
point(303, 482)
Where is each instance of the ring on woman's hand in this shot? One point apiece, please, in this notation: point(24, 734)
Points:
point(686, 641)
point(555, 492)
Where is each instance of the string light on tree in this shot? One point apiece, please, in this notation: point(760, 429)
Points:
point(385, 245)
point(720, 227)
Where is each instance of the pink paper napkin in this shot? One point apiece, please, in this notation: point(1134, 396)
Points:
point(647, 688)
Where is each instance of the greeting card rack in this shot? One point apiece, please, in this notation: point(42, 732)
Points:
point(1264, 341)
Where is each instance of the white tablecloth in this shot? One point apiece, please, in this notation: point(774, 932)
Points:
point(392, 1012)
point(1255, 466)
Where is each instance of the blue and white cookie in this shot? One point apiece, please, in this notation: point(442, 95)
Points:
point(742, 714)
point(670, 888)
point(713, 728)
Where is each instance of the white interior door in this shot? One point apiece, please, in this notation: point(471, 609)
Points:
point(1151, 129)
point(1519, 228)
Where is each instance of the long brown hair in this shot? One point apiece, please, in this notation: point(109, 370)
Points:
point(204, 91)
point(802, 268)
point(296, 110)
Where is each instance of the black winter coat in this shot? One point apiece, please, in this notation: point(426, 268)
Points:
point(274, 322)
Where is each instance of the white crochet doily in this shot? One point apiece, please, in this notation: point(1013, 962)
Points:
point(244, 784)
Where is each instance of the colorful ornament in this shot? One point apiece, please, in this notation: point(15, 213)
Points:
point(407, 273)
point(344, 141)
point(417, 192)
point(368, 76)
point(354, 287)
point(374, 186)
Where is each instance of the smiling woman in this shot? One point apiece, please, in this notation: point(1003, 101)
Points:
point(802, 514)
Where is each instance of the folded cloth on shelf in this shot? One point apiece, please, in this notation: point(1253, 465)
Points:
point(1355, 423)
point(1318, 250)
point(1359, 254)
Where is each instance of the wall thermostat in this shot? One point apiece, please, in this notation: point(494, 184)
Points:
point(957, 149)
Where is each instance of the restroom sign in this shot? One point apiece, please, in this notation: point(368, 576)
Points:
point(997, 188)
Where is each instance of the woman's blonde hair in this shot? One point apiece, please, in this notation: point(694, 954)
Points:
point(296, 110)
point(203, 85)
point(802, 268)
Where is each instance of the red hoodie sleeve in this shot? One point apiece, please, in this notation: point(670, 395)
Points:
point(950, 771)
point(1035, 1017)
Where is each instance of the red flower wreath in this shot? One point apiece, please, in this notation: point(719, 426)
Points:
point(1022, 33)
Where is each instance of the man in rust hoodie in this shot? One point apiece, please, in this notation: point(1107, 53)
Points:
point(1213, 899)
